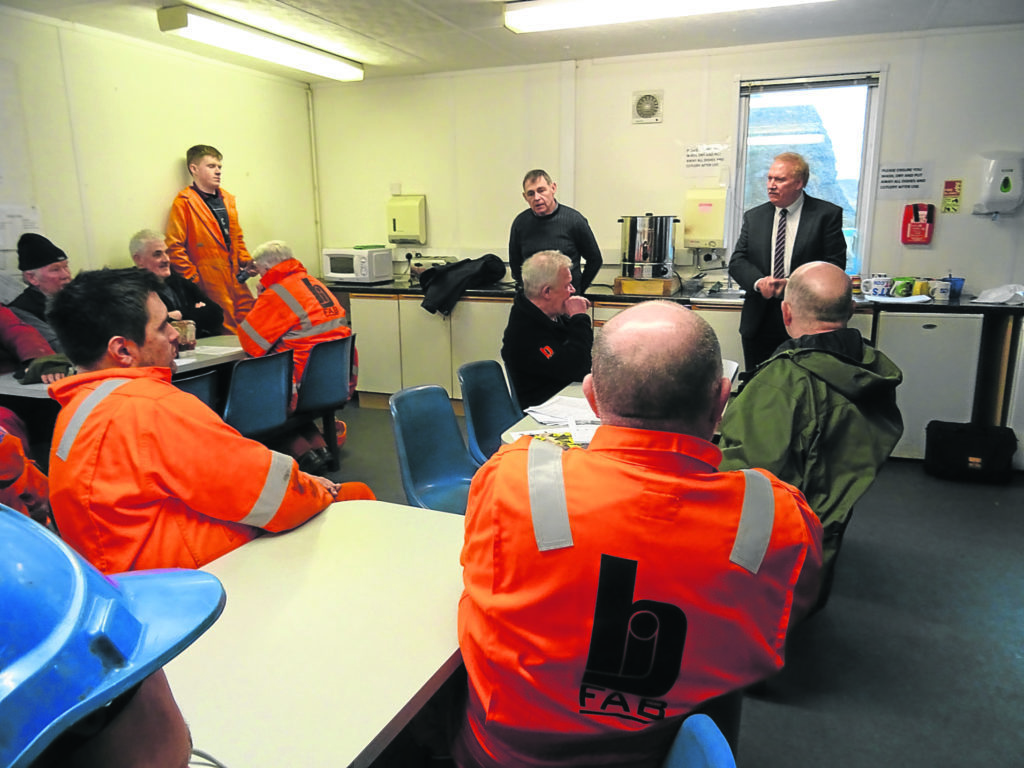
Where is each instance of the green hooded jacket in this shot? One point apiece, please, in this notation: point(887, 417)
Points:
point(819, 414)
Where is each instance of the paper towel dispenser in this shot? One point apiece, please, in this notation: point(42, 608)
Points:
point(407, 219)
point(1002, 189)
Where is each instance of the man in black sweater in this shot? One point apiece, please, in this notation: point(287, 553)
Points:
point(547, 341)
point(548, 226)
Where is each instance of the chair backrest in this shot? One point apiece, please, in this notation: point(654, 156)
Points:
point(324, 384)
point(699, 744)
point(488, 405)
point(202, 385)
point(259, 394)
point(435, 466)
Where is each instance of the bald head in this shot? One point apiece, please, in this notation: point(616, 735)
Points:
point(657, 365)
point(819, 298)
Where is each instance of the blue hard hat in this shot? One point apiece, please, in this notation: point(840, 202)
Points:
point(72, 639)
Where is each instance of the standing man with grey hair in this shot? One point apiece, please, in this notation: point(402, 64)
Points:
point(204, 239)
point(588, 572)
point(791, 229)
point(547, 340)
point(184, 300)
point(548, 225)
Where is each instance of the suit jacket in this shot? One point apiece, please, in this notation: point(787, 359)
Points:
point(818, 238)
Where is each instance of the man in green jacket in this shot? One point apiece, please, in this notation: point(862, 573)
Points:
point(821, 412)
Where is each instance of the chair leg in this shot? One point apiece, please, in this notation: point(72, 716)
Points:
point(331, 438)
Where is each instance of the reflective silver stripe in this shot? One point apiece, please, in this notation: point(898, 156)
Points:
point(756, 522)
point(274, 489)
point(547, 496)
point(293, 304)
point(259, 341)
point(94, 398)
point(316, 330)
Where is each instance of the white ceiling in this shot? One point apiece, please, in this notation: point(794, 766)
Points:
point(405, 37)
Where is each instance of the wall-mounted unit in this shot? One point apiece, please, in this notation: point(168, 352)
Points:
point(407, 219)
point(1002, 189)
point(648, 106)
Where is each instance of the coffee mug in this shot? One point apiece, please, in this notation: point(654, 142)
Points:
point(902, 286)
point(922, 287)
point(939, 290)
point(876, 285)
point(956, 286)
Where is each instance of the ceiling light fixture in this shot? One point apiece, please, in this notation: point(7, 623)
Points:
point(547, 15)
point(223, 33)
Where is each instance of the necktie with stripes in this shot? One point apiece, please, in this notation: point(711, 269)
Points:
point(779, 262)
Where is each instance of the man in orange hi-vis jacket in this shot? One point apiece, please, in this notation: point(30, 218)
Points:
point(612, 590)
point(142, 474)
point(204, 239)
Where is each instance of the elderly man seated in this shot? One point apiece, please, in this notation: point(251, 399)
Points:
point(821, 412)
point(547, 341)
point(294, 311)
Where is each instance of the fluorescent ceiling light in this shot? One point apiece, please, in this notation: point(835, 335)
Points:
point(546, 15)
point(231, 36)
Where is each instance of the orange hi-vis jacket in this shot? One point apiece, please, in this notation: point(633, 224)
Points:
point(144, 475)
point(196, 247)
point(23, 487)
point(612, 590)
point(295, 311)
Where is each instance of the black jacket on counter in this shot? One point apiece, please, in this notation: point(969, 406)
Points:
point(542, 356)
point(444, 286)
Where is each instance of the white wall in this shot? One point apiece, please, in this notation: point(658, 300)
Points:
point(465, 139)
point(107, 122)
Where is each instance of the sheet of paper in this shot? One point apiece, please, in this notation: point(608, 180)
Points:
point(560, 409)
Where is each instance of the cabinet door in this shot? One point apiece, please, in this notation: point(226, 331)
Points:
point(375, 321)
point(477, 327)
point(426, 345)
point(726, 323)
point(938, 354)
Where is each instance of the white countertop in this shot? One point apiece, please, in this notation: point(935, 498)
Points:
point(333, 637)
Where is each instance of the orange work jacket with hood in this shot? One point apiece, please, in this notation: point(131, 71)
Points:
point(610, 591)
point(144, 475)
point(196, 247)
point(295, 311)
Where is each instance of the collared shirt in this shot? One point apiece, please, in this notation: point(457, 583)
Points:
point(792, 223)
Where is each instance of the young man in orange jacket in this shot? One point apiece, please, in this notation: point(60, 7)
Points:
point(611, 591)
point(204, 239)
point(142, 474)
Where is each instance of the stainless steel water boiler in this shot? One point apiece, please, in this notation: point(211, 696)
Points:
point(648, 245)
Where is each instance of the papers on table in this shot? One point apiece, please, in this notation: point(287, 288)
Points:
point(567, 420)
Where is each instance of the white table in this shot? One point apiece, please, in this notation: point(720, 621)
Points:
point(208, 352)
point(333, 637)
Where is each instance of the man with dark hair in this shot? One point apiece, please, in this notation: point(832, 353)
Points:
point(588, 572)
point(204, 239)
point(821, 413)
point(142, 474)
point(184, 299)
point(791, 229)
point(547, 340)
point(548, 225)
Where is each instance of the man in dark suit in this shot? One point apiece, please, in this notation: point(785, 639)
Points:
point(791, 229)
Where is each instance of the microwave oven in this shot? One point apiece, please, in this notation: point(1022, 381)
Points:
point(357, 265)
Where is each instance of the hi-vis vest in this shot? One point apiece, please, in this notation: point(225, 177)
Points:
point(629, 611)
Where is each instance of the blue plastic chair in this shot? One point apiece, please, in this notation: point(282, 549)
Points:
point(488, 405)
point(699, 744)
point(435, 466)
point(202, 385)
point(259, 394)
point(324, 388)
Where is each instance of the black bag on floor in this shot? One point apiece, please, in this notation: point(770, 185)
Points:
point(969, 452)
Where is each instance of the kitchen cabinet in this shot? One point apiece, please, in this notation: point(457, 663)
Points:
point(938, 354)
point(477, 325)
point(425, 343)
point(374, 319)
point(1015, 414)
point(726, 323)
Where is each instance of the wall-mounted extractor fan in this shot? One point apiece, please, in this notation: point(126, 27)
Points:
point(648, 106)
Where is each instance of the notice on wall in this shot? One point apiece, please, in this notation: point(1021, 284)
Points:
point(705, 160)
point(951, 191)
point(904, 181)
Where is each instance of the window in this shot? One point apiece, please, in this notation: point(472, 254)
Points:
point(831, 122)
